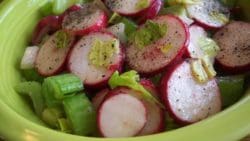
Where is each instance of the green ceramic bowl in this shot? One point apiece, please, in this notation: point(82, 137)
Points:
point(19, 123)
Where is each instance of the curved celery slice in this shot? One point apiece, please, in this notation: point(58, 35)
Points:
point(33, 90)
point(81, 114)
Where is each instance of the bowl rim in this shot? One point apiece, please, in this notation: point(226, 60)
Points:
point(231, 124)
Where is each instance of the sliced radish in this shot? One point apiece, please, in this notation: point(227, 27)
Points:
point(99, 97)
point(155, 116)
point(194, 49)
point(46, 26)
point(209, 13)
point(87, 19)
point(51, 59)
point(29, 57)
point(234, 43)
point(187, 100)
point(151, 59)
point(121, 114)
point(80, 64)
point(128, 7)
point(73, 8)
point(151, 12)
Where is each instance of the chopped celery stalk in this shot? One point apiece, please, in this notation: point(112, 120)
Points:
point(51, 115)
point(64, 125)
point(131, 79)
point(170, 124)
point(230, 3)
point(29, 57)
point(130, 26)
point(33, 90)
point(47, 9)
point(244, 6)
point(32, 75)
point(64, 85)
point(208, 66)
point(198, 71)
point(119, 31)
point(156, 79)
point(48, 95)
point(209, 46)
point(184, 2)
point(231, 89)
point(81, 114)
point(115, 18)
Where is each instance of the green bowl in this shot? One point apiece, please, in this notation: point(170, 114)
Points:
point(19, 123)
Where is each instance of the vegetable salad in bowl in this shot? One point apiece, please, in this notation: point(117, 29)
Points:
point(123, 68)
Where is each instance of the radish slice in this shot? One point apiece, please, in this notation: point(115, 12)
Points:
point(196, 33)
point(51, 59)
point(209, 13)
point(151, 12)
point(99, 97)
point(87, 19)
point(121, 114)
point(187, 100)
point(80, 64)
point(129, 7)
point(151, 59)
point(234, 43)
point(155, 116)
point(29, 57)
point(47, 25)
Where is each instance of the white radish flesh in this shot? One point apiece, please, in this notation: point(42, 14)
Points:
point(187, 100)
point(119, 31)
point(121, 115)
point(29, 57)
point(80, 65)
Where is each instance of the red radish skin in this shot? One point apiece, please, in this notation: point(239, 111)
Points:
point(127, 7)
point(186, 100)
point(151, 12)
point(99, 97)
point(79, 64)
point(46, 26)
point(151, 60)
point(155, 117)
point(201, 12)
point(51, 60)
point(85, 20)
point(121, 114)
point(193, 49)
point(234, 43)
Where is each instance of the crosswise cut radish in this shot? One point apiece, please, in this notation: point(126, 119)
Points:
point(209, 13)
point(194, 49)
point(99, 97)
point(87, 19)
point(121, 115)
point(150, 59)
point(80, 65)
point(234, 43)
point(51, 59)
point(187, 100)
point(127, 7)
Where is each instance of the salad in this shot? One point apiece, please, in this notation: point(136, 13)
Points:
point(124, 68)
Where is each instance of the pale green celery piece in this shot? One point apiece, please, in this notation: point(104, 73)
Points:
point(198, 72)
point(115, 18)
point(141, 4)
point(230, 3)
point(149, 33)
point(208, 66)
point(183, 2)
point(102, 52)
point(34, 90)
point(209, 46)
point(64, 125)
point(51, 115)
point(245, 6)
point(219, 17)
point(131, 79)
